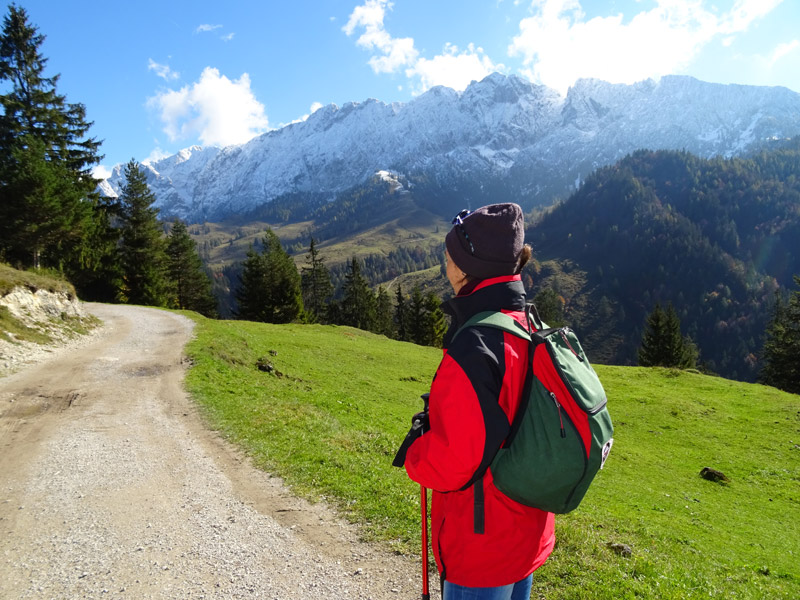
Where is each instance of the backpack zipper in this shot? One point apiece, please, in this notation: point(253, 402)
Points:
point(566, 341)
point(560, 419)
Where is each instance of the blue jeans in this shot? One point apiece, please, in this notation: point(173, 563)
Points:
point(513, 591)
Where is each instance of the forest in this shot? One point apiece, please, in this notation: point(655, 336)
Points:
point(716, 238)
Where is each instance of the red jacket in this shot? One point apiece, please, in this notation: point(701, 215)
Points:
point(473, 398)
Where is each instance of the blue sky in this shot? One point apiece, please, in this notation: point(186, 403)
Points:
point(158, 76)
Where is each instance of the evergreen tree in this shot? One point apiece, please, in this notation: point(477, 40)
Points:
point(358, 303)
point(270, 285)
point(46, 188)
point(782, 347)
point(315, 280)
point(95, 270)
point(143, 248)
point(550, 307)
point(384, 321)
point(416, 317)
point(662, 344)
point(435, 322)
point(401, 316)
point(190, 284)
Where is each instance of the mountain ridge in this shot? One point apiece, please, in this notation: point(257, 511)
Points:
point(503, 134)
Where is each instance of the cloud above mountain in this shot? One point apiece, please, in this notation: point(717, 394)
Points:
point(559, 45)
point(217, 110)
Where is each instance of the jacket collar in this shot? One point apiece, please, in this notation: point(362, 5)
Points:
point(499, 293)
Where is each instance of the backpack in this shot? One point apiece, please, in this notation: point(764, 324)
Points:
point(561, 434)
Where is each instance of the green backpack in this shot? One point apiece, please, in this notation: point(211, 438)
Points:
point(562, 433)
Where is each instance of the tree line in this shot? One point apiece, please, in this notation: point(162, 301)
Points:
point(51, 215)
point(273, 290)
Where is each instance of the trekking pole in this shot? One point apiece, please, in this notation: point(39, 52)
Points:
point(424, 504)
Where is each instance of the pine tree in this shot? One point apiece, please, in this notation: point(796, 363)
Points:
point(270, 285)
point(401, 316)
point(416, 317)
point(384, 321)
point(358, 303)
point(315, 280)
point(190, 284)
point(435, 322)
point(46, 189)
point(143, 247)
point(550, 307)
point(662, 344)
point(782, 346)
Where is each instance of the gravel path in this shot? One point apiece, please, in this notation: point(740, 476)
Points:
point(110, 487)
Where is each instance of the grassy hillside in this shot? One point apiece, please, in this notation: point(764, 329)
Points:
point(330, 415)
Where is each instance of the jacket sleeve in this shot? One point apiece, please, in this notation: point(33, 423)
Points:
point(467, 425)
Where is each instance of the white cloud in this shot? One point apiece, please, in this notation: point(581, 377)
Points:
point(101, 172)
point(782, 50)
point(315, 107)
point(215, 110)
point(391, 53)
point(453, 68)
point(162, 71)
point(228, 37)
point(558, 45)
point(205, 27)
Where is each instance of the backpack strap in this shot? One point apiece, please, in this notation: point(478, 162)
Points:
point(499, 320)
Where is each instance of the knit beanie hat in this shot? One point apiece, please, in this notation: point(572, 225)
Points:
point(487, 242)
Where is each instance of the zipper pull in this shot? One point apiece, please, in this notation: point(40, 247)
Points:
point(566, 341)
point(560, 419)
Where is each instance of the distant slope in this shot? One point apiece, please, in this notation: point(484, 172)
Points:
point(384, 223)
point(713, 237)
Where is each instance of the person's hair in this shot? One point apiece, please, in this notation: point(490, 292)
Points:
point(524, 256)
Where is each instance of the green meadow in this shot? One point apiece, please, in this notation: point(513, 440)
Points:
point(338, 401)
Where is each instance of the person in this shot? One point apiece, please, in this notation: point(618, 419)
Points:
point(486, 545)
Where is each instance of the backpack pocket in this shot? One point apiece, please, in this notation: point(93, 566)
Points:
point(547, 434)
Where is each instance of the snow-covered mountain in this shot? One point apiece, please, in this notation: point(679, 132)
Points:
point(500, 133)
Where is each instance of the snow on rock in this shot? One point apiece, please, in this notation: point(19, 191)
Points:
point(502, 130)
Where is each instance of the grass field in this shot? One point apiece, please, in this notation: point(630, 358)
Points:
point(331, 415)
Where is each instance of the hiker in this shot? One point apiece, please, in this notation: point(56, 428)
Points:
point(486, 545)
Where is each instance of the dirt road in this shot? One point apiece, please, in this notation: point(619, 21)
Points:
point(110, 487)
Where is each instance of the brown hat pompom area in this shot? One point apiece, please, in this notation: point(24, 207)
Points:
point(488, 241)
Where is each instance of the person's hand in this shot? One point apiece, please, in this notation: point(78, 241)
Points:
point(420, 422)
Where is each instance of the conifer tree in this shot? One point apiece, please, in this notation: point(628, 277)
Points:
point(358, 303)
point(782, 346)
point(270, 285)
point(315, 280)
point(46, 188)
point(662, 344)
point(401, 316)
point(143, 247)
point(550, 307)
point(435, 322)
point(384, 321)
point(190, 284)
point(416, 317)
